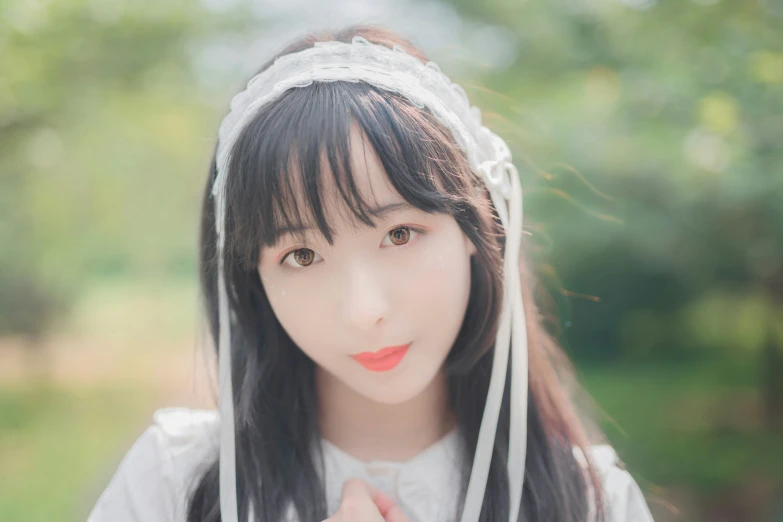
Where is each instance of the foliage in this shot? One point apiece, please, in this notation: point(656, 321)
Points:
point(102, 147)
point(651, 136)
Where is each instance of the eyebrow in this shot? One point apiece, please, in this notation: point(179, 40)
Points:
point(378, 212)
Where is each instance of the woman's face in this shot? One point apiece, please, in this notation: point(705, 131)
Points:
point(405, 282)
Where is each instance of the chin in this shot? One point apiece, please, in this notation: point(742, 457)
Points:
point(392, 391)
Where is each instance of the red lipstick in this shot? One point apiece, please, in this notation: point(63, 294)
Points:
point(382, 360)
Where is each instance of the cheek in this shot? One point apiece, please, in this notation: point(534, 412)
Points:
point(440, 282)
point(301, 311)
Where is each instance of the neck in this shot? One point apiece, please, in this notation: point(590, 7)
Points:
point(369, 430)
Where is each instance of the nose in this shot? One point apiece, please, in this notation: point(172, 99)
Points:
point(365, 300)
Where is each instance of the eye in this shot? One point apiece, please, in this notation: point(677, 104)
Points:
point(400, 236)
point(300, 258)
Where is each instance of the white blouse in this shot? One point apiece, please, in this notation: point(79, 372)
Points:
point(163, 466)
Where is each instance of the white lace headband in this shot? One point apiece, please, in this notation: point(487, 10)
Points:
point(426, 86)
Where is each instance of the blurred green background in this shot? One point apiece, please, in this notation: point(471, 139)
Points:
point(648, 135)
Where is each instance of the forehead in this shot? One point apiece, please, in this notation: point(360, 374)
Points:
point(336, 185)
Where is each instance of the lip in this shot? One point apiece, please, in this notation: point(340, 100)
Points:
point(383, 360)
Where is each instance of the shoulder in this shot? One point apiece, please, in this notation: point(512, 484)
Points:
point(160, 469)
point(623, 498)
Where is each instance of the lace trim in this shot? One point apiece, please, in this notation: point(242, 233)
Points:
point(390, 69)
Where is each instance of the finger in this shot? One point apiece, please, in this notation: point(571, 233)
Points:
point(383, 502)
point(395, 514)
point(357, 503)
point(389, 510)
point(381, 499)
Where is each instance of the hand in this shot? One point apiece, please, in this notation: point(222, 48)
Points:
point(363, 503)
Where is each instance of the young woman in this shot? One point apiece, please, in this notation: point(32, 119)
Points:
point(371, 299)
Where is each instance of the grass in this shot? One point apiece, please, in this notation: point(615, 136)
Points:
point(698, 423)
point(55, 445)
point(61, 439)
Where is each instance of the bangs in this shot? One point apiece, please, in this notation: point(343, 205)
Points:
point(297, 149)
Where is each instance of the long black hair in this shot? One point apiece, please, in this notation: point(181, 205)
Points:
point(287, 147)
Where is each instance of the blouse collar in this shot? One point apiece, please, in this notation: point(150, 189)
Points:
point(425, 487)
